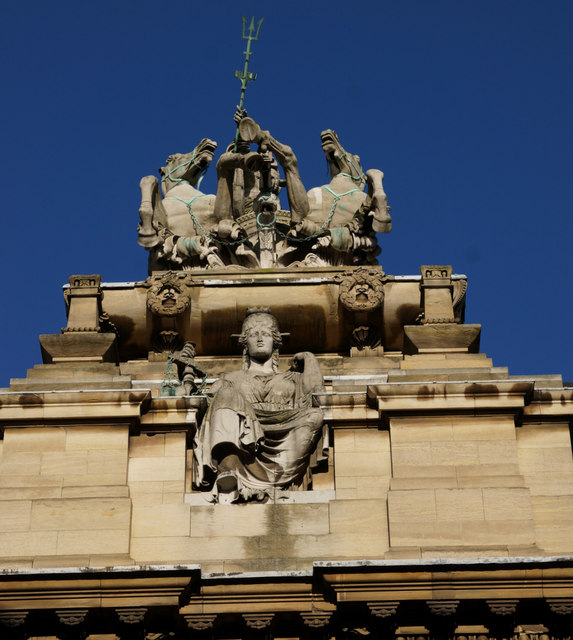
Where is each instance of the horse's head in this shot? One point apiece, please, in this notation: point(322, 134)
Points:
point(187, 167)
point(339, 160)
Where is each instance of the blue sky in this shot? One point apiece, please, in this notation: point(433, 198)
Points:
point(465, 106)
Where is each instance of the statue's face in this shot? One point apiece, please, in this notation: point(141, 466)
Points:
point(260, 342)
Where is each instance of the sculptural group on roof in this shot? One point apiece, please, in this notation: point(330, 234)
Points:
point(244, 225)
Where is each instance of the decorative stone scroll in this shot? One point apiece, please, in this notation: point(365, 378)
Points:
point(261, 433)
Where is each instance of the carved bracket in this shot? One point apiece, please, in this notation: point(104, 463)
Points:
point(316, 619)
point(258, 621)
point(200, 622)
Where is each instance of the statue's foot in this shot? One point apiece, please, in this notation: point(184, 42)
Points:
point(227, 482)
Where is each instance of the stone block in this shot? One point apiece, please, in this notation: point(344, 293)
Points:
point(363, 463)
point(175, 444)
point(160, 520)
point(486, 469)
point(467, 482)
point(344, 440)
point(16, 481)
point(35, 439)
point(555, 540)
point(58, 464)
point(157, 469)
point(20, 463)
point(411, 454)
point(84, 438)
point(29, 543)
point(459, 504)
point(147, 446)
point(424, 471)
point(543, 436)
point(353, 516)
point(414, 505)
point(454, 453)
point(550, 483)
point(88, 541)
point(50, 562)
point(492, 532)
point(489, 428)
point(404, 430)
point(507, 504)
point(171, 497)
point(93, 479)
point(102, 460)
point(553, 510)
point(146, 492)
point(259, 520)
point(371, 440)
point(400, 484)
point(189, 550)
point(98, 491)
point(30, 493)
point(498, 452)
point(15, 515)
point(423, 534)
point(81, 513)
point(338, 545)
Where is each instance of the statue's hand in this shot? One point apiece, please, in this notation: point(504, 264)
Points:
point(297, 362)
point(239, 114)
point(306, 363)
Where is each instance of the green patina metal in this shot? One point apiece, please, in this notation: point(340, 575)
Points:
point(246, 76)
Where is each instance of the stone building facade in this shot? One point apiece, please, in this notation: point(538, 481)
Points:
point(441, 505)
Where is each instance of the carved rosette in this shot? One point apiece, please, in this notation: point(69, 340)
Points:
point(361, 289)
point(168, 294)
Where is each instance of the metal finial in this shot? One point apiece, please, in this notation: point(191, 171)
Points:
point(246, 76)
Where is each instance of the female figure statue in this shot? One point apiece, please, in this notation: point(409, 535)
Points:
point(261, 430)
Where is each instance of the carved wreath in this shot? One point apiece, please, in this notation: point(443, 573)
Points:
point(361, 289)
point(168, 294)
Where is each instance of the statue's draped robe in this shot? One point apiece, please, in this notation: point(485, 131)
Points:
point(269, 423)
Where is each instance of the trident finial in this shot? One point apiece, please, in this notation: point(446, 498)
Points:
point(246, 76)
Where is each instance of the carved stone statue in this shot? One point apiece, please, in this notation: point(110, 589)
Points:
point(244, 225)
point(345, 218)
point(261, 431)
point(334, 224)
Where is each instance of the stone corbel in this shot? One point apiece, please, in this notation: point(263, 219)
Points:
point(258, 621)
point(131, 622)
point(13, 620)
point(502, 617)
point(200, 622)
point(72, 623)
point(317, 620)
point(383, 617)
point(561, 621)
point(442, 620)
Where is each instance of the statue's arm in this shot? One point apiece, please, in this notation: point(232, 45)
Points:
point(376, 203)
point(150, 200)
point(306, 363)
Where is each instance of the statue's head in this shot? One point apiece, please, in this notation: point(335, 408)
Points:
point(339, 160)
point(187, 167)
point(260, 336)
